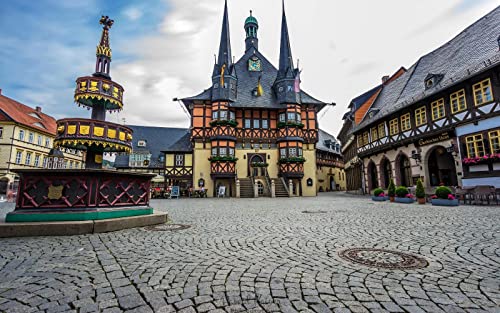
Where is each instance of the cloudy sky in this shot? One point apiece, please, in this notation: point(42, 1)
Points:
point(165, 49)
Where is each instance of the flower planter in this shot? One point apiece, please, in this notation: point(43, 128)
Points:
point(421, 200)
point(404, 200)
point(378, 198)
point(444, 202)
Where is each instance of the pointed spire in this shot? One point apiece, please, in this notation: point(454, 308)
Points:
point(103, 50)
point(225, 56)
point(286, 62)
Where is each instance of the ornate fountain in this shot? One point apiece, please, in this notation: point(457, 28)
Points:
point(91, 193)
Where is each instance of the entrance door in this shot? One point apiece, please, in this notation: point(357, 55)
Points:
point(442, 168)
point(254, 170)
point(332, 183)
point(386, 172)
point(405, 171)
point(372, 176)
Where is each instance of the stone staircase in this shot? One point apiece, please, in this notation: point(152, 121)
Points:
point(246, 188)
point(280, 188)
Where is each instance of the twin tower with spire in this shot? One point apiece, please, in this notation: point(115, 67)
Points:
point(227, 85)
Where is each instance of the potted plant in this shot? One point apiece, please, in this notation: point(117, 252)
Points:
point(420, 192)
point(391, 190)
point(378, 195)
point(403, 195)
point(443, 196)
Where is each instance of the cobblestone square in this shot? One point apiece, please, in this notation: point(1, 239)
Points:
point(266, 255)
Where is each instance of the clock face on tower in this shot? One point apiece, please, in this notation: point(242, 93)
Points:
point(254, 65)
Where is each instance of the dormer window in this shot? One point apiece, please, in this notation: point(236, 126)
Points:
point(432, 80)
point(141, 143)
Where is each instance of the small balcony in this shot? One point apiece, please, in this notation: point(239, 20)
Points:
point(77, 133)
point(92, 90)
point(223, 167)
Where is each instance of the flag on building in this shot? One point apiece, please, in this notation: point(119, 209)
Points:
point(297, 82)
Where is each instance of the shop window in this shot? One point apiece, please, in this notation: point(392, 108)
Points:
point(482, 92)
point(420, 116)
point(381, 130)
point(374, 133)
point(437, 108)
point(393, 127)
point(494, 141)
point(457, 101)
point(405, 122)
point(475, 146)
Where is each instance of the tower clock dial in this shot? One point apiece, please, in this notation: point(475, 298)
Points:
point(254, 65)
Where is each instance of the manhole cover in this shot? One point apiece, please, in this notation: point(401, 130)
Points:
point(167, 227)
point(314, 212)
point(383, 258)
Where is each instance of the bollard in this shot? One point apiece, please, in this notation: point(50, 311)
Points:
point(273, 189)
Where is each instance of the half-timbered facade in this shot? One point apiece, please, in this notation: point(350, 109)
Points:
point(329, 163)
point(254, 122)
point(438, 121)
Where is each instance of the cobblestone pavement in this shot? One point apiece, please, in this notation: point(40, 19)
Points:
point(264, 255)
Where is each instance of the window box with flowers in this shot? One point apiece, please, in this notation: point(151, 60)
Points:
point(259, 164)
point(486, 159)
point(290, 124)
point(444, 197)
point(232, 123)
point(223, 159)
point(292, 160)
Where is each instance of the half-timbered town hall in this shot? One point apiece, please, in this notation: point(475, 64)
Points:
point(254, 131)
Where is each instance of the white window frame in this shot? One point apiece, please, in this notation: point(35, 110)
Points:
point(179, 159)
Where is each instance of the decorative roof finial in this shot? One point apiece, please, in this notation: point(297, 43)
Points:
point(106, 22)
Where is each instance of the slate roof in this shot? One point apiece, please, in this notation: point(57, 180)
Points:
point(26, 115)
point(157, 139)
point(323, 136)
point(182, 145)
point(474, 50)
point(247, 82)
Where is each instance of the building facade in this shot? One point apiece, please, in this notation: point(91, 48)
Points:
point(255, 124)
point(26, 138)
point(438, 121)
point(329, 164)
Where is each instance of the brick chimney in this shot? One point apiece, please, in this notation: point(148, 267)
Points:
point(385, 79)
point(38, 109)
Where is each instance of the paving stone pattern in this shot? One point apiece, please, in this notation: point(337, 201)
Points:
point(263, 255)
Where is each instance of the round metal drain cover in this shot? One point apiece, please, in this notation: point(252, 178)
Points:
point(314, 212)
point(382, 258)
point(168, 227)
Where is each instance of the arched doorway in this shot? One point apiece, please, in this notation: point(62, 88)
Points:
point(386, 172)
point(372, 176)
point(332, 184)
point(256, 170)
point(404, 170)
point(441, 167)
